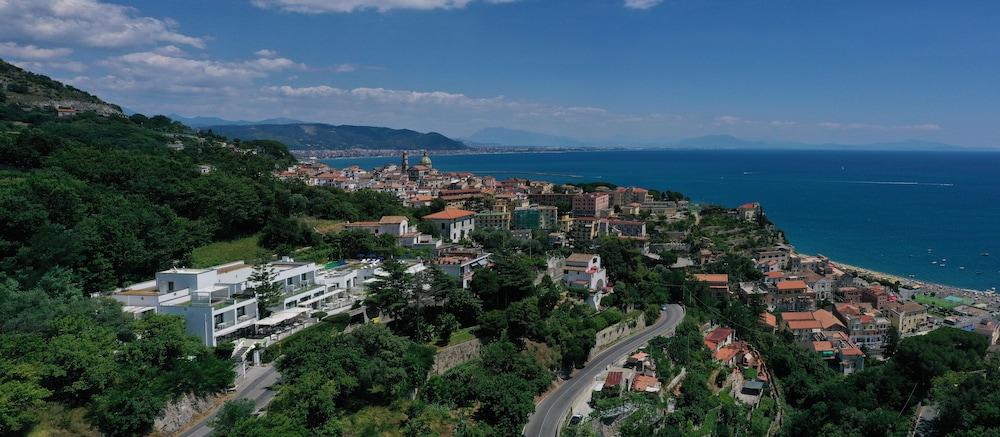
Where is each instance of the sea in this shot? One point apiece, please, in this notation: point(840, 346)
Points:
point(931, 216)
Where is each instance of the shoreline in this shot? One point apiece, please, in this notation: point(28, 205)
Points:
point(913, 284)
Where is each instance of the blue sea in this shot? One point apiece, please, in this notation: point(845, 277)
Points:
point(895, 212)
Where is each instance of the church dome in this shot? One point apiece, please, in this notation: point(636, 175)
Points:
point(425, 160)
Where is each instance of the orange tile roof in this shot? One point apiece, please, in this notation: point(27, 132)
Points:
point(644, 382)
point(797, 315)
point(827, 319)
point(712, 277)
point(725, 354)
point(449, 214)
point(769, 319)
point(820, 346)
point(852, 351)
point(796, 325)
point(792, 285)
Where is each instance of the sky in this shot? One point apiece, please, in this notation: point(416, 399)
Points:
point(820, 71)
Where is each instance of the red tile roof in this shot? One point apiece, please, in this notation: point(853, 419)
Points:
point(613, 379)
point(719, 335)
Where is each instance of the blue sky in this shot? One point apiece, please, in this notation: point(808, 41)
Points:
point(797, 70)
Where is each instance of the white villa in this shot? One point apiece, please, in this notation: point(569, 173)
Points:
point(584, 270)
point(453, 224)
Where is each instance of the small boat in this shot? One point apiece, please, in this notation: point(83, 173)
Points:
point(933, 262)
point(979, 273)
point(944, 260)
point(962, 268)
point(985, 254)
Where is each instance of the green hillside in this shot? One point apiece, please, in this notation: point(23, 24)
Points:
point(30, 90)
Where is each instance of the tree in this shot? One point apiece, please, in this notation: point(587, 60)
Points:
point(270, 425)
point(267, 291)
point(127, 409)
point(446, 325)
point(891, 342)
point(231, 413)
point(402, 297)
point(20, 403)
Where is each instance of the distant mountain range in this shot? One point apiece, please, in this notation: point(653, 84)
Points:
point(199, 122)
point(319, 136)
point(514, 137)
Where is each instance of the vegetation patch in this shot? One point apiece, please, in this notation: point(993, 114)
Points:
point(221, 252)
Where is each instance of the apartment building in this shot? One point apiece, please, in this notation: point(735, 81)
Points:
point(493, 220)
point(217, 303)
point(591, 204)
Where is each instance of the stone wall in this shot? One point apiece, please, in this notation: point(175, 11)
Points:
point(179, 413)
point(608, 336)
point(451, 356)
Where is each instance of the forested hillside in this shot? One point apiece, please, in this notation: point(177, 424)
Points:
point(90, 202)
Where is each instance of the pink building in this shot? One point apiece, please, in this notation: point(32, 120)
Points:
point(590, 204)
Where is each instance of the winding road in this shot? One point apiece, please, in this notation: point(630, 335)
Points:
point(256, 387)
point(550, 413)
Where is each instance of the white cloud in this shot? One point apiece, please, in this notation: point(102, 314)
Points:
point(345, 68)
point(266, 53)
point(386, 96)
point(29, 51)
point(165, 70)
point(873, 126)
point(641, 4)
point(327, 6)
point(86, 23)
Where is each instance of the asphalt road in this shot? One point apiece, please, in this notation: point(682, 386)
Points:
point(255, 388)
point(551, 412)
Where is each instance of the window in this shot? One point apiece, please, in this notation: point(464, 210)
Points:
point(302, 277)
point(218, 319)
point(170, 286)
point(241, 311)
point(288, 281)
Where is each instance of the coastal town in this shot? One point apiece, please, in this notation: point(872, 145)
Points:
point(499, 218)
point(846, 316)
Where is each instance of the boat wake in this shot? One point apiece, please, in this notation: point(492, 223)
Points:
point(931, 184)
